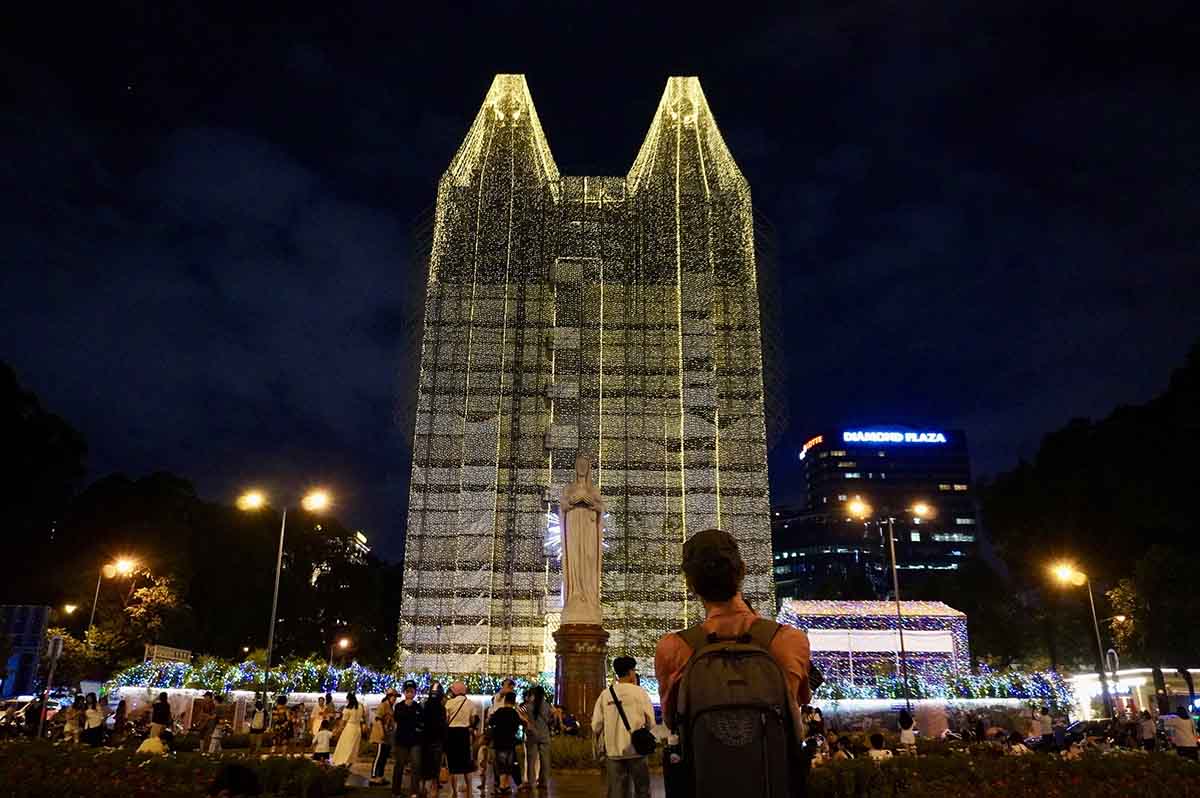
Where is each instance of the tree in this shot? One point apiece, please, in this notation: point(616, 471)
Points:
point(1103, 494)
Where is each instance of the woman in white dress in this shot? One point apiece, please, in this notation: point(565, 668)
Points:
point(351, 732)
point(317, 717)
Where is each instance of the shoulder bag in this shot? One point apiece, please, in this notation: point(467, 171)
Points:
point(644, 741)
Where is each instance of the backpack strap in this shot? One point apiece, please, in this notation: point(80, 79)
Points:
point(762, 632)
point(695, 636)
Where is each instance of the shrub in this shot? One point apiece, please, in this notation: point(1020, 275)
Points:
point(36, 769)
point(572, 753)
point(1130, 775)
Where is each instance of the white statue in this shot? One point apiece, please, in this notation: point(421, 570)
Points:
point(580, 512)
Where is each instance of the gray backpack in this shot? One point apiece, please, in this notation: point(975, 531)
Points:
point(732, 714)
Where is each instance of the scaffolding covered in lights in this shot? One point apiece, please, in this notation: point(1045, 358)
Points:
point(612, 315)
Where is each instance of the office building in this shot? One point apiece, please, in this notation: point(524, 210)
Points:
point(822, 551)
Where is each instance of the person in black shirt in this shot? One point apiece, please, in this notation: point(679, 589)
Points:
point(407, 728)
point(504, 724)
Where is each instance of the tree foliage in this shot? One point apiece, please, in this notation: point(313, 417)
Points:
point(1105, 495)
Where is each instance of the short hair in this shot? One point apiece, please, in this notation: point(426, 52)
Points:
point(325, 725)
point(510, 698)
point(509, 683)
point(623, 665)
point(877, 741)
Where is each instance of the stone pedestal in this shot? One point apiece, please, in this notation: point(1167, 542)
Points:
point(581, 668)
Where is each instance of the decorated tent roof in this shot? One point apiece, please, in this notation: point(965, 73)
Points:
point(852, 609)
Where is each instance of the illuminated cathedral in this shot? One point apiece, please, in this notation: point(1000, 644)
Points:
point(617, 316)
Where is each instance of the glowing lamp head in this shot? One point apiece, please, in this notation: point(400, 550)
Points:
point(344, 643)
point(316, 501)
point(858, 508)
point(1120, 618)
point(1068, 574)
point(125, 566)
point(252, 500)
point(69, 609)
point(922, 510)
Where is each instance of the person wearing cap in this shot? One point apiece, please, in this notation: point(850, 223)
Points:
point(408, 722)
point(623, 765)
point(714, 571)
point(462, 721)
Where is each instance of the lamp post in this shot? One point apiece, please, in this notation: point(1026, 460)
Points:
point(1068, 574)
point(123, 566)
point(342, 643)
point(861, 510)
point(314, 502)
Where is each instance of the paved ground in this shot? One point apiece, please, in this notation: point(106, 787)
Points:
point(572, 784)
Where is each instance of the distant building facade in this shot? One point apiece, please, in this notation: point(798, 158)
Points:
point(24, 625)
point(822, 551)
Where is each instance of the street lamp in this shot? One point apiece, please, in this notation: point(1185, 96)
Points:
point(861, 510)
point(254, 500)
point(1067, 574)
point(123, 566)
point(69, 609)
point(342, 643)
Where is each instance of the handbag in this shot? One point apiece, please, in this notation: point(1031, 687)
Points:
point(644, 741)
point(444, 773)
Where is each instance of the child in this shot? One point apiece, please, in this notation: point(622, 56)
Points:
point(322, 741)
point(504, 724)
point(214, 739)
point(878, 752)
point(258, 724)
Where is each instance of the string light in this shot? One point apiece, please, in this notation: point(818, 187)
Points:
point(942, 675)
point(304, 676)
point(616, 315)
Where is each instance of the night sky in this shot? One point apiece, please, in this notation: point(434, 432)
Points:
point(987, 217)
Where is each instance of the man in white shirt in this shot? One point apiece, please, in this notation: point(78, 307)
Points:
point(624, 765)
point(1182, 732)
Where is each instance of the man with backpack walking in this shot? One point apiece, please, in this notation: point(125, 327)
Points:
point(732, 687)
point(621, 722)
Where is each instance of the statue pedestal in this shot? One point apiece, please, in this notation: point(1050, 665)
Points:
point(581, 668)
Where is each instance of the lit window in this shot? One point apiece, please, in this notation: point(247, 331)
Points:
point(956, 553)
point(841, 497)
point(959, 486)
point(847, 464)
point(883, 454)
point(839, 453)
point(916, 520)
point(944, 486)
point(953, 537)
point(853, 475)
point(915, 537)
point(964, 521)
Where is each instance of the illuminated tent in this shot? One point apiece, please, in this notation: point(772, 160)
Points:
point(858, 640)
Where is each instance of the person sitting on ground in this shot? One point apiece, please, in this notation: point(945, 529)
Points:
point(503, 724)
point(843, 749)
point(1016, 745)
point(153, 744)
point(878, 752)
point(908, 731)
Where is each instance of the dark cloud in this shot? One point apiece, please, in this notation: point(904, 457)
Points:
point(986, 216)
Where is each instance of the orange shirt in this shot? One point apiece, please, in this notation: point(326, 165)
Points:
point(789, 648)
